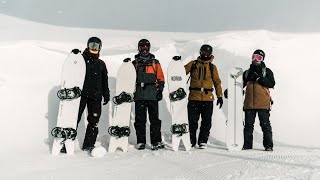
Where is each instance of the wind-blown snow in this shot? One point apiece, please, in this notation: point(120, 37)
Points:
point(32, 55)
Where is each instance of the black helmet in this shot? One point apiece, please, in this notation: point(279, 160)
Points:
point(205, 51)
point(94, 43)
point(260, 52)
point(144, 46)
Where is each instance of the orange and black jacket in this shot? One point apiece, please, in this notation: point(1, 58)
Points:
point(150, 78)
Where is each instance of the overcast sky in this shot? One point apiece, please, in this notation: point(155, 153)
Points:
point(171, 15)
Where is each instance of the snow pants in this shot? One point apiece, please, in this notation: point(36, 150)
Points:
point(195, 109)
point(141, 108)
point(250, 115)
point(94, 113)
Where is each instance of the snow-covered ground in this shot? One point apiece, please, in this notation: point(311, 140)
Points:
point(32, 55)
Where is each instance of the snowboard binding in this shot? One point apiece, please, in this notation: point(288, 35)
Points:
point(65, 133)
point(177, 95)
point(179, 129)
point(119, 132)
point(71, 93)
point(122, 98)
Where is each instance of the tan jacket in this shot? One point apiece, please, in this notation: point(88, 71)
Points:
point(257, 92)
point(257, 96)
point(201, 77)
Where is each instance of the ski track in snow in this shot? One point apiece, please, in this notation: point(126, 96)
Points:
point(212, 163)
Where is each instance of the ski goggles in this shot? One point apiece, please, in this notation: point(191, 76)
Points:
point(94, 45)
point(257, 58)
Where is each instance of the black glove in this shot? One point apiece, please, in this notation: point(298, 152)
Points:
point(225, 93)
point(127, 60)
point(176, 58)
point(75, 51)
point(106, 99)
point(159, 95)
point(253, 76)
point(220, 102)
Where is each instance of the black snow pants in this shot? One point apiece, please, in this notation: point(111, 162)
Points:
point(250, 115)
point(195, 109)
point(141, 108)
point(94, 113)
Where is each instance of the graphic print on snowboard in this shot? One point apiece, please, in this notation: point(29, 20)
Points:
point(177, 82)
point(234, 136)
point(72, 78)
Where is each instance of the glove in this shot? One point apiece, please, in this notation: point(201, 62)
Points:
point(225, 93)
point(220, 102)
point(159, 95)
point(127, 60)
point(106, 99)
point(253, 76)
point(75, 51)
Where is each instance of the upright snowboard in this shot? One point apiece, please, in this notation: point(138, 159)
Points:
point(178, 104)
point(119, 126)
point(72, 78)
point(234, 137)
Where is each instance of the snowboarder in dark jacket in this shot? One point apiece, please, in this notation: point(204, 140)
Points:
point(257, 80)
point(95, 88)
point(149, 87)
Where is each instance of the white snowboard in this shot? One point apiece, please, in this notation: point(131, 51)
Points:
point(73, 74)
point(126, 82)
point(177, 79)
point(234, 136)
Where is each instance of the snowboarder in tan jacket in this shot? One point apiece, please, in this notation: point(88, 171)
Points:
point(204, 76)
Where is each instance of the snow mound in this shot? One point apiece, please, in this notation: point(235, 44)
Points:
point(98, 152)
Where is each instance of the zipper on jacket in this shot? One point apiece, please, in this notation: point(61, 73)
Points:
point(199, 73)
point(201, 80)
point(253, 95)
point(204, 73)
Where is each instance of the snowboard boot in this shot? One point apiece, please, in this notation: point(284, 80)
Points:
point(268, 149)
point(203, 146)
point(157, 145)
point(140, 146)
point(89, 149)
point(246, 147)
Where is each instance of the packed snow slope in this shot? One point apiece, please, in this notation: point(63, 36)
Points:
point(32, 55)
